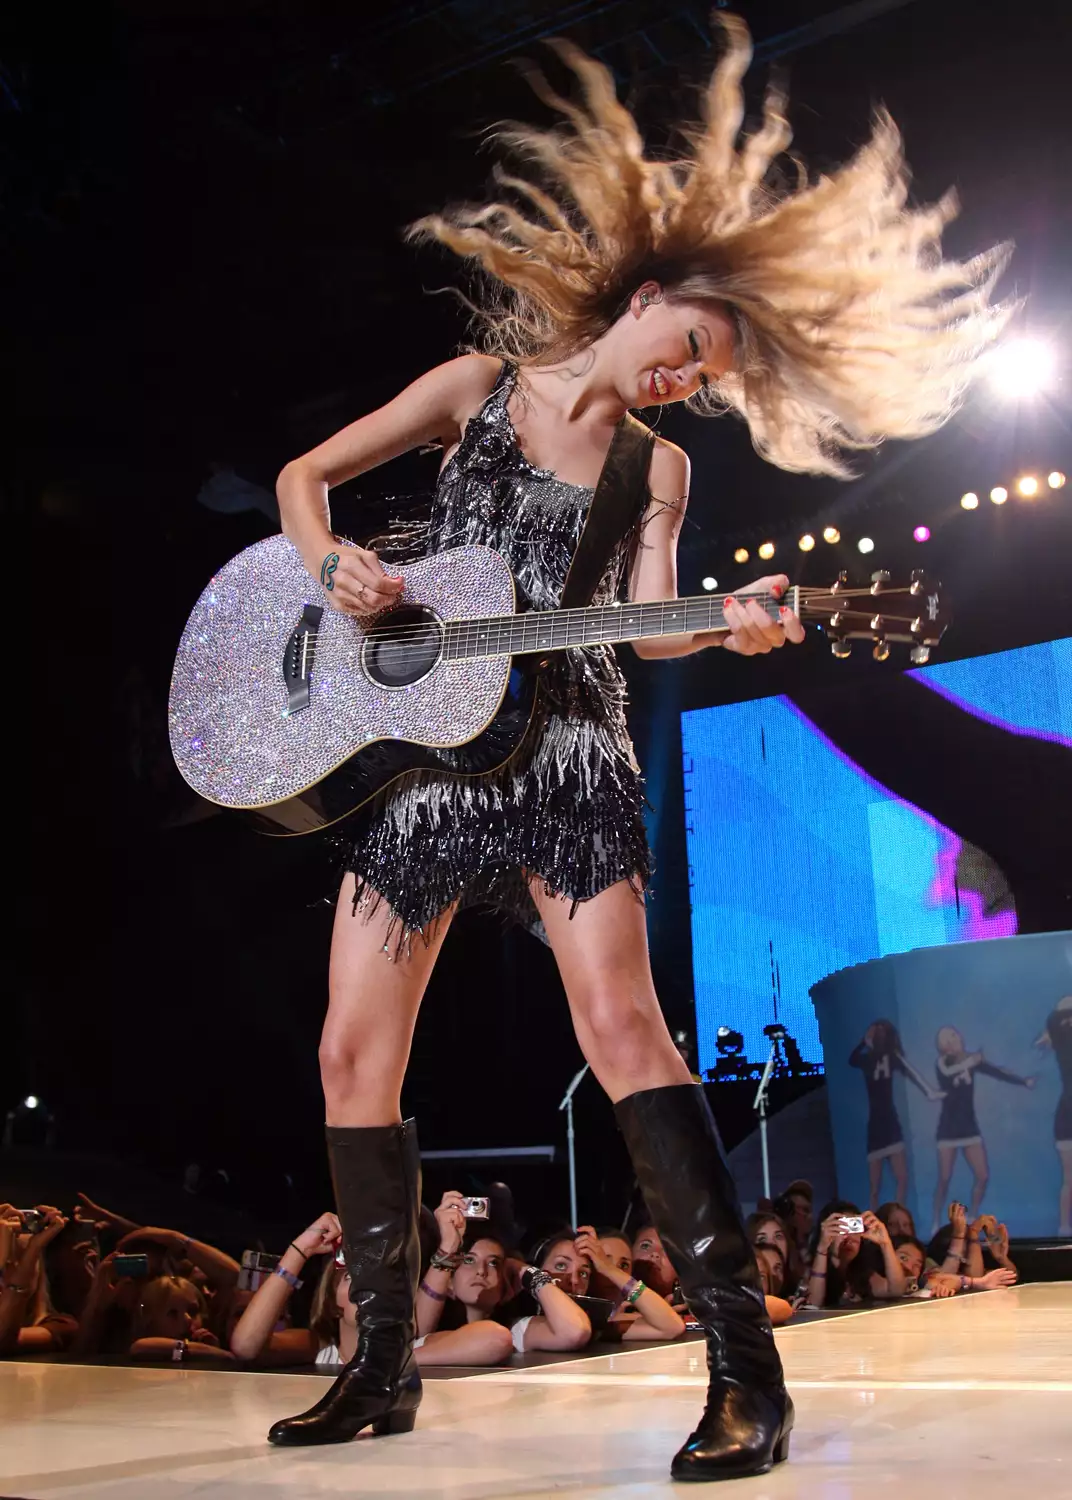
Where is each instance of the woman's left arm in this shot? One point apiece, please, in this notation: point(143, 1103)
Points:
point(656, 1319)
point(653, 575)
point(894, 1279)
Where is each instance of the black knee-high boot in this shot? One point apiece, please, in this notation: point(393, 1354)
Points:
point(674, 1144)
point(377, 1178)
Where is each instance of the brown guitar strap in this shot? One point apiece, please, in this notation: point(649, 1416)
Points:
point(620, 500)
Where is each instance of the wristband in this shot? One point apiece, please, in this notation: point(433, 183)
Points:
point(638, 1291)
point(533, 1280)
point(287, 1276)
point(965, 1283)
point(440, 1262)
point(819, 1275)
point(293, 1246)
point(428, 1292)
point(178, 1352)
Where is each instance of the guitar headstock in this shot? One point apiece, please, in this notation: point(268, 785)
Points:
point(884, 613)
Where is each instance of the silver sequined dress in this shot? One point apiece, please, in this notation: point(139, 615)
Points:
point(568, 807)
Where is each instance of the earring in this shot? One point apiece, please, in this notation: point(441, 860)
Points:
point(644, 299)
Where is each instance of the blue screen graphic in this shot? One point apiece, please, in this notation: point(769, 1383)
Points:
point(800, 863)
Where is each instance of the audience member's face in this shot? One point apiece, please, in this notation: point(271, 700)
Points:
point(803, 1216)
point(771, 1269)
point(770, 1232)
point(347, 1310)
point(846, 1248)
point(900, 1222)
point(618, 1251)
point(568, 1267)
point(911, 1257)
point(477, 1282)
point(169, 1309)
point(650, 1262)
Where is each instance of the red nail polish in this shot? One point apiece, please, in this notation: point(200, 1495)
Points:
point(777, 590)
point(728, 601)
point(783, 609)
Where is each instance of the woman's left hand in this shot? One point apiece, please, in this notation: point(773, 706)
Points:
point(587, 1245)
point(875, 1230)
point(752, 631)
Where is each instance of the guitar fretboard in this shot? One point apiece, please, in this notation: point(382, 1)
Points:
point(557, 629)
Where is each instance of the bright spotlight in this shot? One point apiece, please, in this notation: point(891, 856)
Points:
point(922, 534)
point(31, 1101)
point(999, 494)
point(766, 550)
point(710, 583)
point(831, 534)
point(1027, 486)
point(865, 544)
point(807, 542)
point(741, 555)
point(1023, 367)
point(970, 501)
point(1055, 480)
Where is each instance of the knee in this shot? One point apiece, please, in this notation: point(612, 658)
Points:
point(623, 1027)
point(343, 1065)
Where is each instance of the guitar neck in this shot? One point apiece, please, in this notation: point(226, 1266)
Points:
point(596, 624)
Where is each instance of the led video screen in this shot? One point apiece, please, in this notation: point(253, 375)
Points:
point(802, 863)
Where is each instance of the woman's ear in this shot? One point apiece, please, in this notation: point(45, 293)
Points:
point(645, 296)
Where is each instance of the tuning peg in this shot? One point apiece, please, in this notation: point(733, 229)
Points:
point(881, 649)
point(840, 649)
point(919, 656)
point(879, 581)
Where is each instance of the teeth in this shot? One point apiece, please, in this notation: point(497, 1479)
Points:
point(660, 384)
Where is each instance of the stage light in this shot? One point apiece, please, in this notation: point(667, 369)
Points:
point(807, 542)
point(741, 555)
point(1027, 486)
point(999, 494)
point(31, 1101)
point(1055, 480)
point(865, 544)
point(710, 583)
point(970, 501)
point(766, 550)
point(922, 534)
point(831, 534)
point(729, 1042)
point(1022, 367)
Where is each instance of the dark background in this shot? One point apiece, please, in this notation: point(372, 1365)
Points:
point(200, 226)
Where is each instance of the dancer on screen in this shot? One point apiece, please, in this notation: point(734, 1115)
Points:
point(821, 313)
point(879, 1056)
point(1057, 1036)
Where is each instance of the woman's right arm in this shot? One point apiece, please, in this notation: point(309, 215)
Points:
point(434, 408)
point(561, 1323)
point(253, 1330)
point(817, 1279)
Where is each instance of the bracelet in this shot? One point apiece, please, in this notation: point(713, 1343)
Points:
point(637, 1292)
point(966, 1283)
point(287, 1276)
point(293, 1246)
point(428, 1292)
point(819, 1275)
point(533, 1280)
point(178, 1352)
point(327, 570)
point(440, 1262)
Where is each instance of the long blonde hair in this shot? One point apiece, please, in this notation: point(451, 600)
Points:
point(851, 327)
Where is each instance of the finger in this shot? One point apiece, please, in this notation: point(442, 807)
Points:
point(368, 568)
point(768, 630)
point(791, 624)
point(743, 637)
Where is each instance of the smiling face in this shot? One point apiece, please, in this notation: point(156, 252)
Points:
point(568, 1267)
point(666, 350)
point(477, 1281)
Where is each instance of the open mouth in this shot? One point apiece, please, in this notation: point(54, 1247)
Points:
point(658, 384)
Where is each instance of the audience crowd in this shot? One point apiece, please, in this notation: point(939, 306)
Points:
point(95, 1285)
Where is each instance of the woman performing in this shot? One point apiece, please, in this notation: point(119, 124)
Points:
point(1057, 1035)
point(879, 1056)
point(958, 1128)
point(824, 316)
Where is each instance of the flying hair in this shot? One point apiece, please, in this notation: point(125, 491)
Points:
point(851, 327)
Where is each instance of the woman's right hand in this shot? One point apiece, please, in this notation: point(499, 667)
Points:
point(999, 1277)
point(451, 1223)
point(321, 1237)
point(958, 1217)
point(356, 582)
point(830, 1231)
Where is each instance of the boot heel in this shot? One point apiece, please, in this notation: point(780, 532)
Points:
point(394, 1423)
point(781, 1450)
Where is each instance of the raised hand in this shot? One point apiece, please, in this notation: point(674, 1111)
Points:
point(451, 1221)
point(587, 1245)
point(322, 1236)
point(875, 1230)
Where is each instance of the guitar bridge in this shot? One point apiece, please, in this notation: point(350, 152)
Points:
point(298, 658)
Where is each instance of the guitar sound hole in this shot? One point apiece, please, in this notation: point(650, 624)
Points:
point(403, 647)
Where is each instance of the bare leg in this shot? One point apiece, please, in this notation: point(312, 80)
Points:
point(1064, 1151)
point(975, 1156)
point(874, 1174)
point(602, 956)
point(899, 1168)
point(947, 1155)
point(372, 1010)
